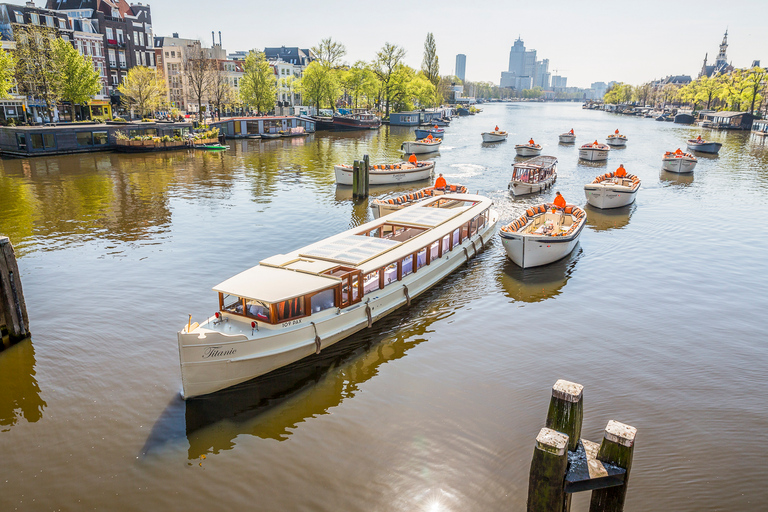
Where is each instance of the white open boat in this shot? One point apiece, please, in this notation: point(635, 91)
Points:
point(385, 174)
point(679, 162)
point(416, 147)
point(382, 207)
point(495, 136)
point(293, 305)
point(616, 140)
point(542, 235)
point(533, 175)
point(594, 152)
point(611, 191)
point(704, 146)
point(528, 149)
point(567, 137)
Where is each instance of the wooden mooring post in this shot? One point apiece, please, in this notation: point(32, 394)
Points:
point(564, 464)
point(13, 310)
point(361, 178)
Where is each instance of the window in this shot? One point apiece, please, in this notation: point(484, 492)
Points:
point(323, 300)
point(100, 138)
point(151, 58)
point(446, 243)
point(371, 282)
point(421, 258)
point(407, 265)
point(121, 57)
point(21, 141)
point(112, 58)
point(84, 139)
point(34, 17)
point(136, 38)
point(19, 17)
point(456, 237)
point(49, 20)
point(39, 141)
point(120, 36)
point(290, 308)
point(114, 79)
point(257, 309)
point(110, 34)
point(434, 251)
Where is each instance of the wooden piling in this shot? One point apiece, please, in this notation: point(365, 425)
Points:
point(366, 173)
point(617, 448)
point(546, 484)
point(355, 179)
point(13, 309)
point(566, 411)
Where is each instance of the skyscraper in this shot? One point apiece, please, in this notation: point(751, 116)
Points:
point(461, 66)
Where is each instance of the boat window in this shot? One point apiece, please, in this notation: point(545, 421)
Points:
point(390, 273)
point(371, 282)
point(231, 303)
point(323, 300)
point(257, 309)
point(290, 308)
point(407, 265)
point(434, 250)
point(446, 243)
point(473, 225)
point(421, 258)
point(456, 237)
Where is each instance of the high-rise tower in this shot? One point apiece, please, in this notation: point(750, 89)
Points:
point(461, 66)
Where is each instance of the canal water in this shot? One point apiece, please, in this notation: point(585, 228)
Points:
point(659, 313)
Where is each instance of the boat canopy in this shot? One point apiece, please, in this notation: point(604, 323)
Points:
point(535, 169)
point(273, 285)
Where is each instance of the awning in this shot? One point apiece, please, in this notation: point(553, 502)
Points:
point(273, 285)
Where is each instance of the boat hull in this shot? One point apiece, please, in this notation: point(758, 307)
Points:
point(217, 361)
point(594, 154)
point(419, 148)
point(423, 134)
point(521, 188)
point(344, 124)
point(527, 151)
point(678, 165)
point(704, 147)
point(616, 141)
point(493, 137)
point(387, 176)
point(526, 251)
point(567, 138)
point(607, 196)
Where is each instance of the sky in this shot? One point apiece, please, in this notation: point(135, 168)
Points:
point(585, 40)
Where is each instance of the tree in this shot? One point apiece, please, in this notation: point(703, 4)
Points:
point(430, 64)
point(7, 73)
point(144, 89)
point(444, 93)
point(421, 90)
point(388, 59)
point(199, 72)
point(220, 91)
point(708, 89)
point(329, 53)
point(79, 81)
point(37, 72)
point(312, 83)
point(257, 86)
point(755, 82)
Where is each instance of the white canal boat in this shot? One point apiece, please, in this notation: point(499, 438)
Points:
point(528, 149)
point(385, 174)
point(382, 207)
point(534, 175)
point(678, 161)
point(594, 152)
point(495, 136)
point(293, 305)
point(616, 140)
point(542, 235)
point(611, 191)
point(704, 146)
point(567, 137)
point(417, 147)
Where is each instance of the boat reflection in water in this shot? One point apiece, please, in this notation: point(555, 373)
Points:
point(673, 178)
point(605, 220)
point(19, 391)
point(586, 164)
point(537, 284)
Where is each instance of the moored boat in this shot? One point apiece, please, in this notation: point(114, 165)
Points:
point(567, 137)
point(356, 121)
point(760, 127)
point(293, 305)
point(384, 174)
point(612, 189)
point(421, 146)
point(543, 234)
point(435, 132)
point(382, 207)
point(529, 149)
point(678, 161)
point(533, 175)
point(703, 146)
point(594, 152)
point(495, 136)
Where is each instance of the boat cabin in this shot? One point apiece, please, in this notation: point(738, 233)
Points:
point(340, 271)
point(760, 127)
point(535, 170)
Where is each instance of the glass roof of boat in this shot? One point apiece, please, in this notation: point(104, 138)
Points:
point(426, 216)
point(352, 249)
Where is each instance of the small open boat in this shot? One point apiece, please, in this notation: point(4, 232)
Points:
point(211, 146)
point(297, 131)
point(441, 122)
point(528, 149)
point(611, 191)
point(434, 132)
point(543, 234)
point(594, 152)
point(567, 137)
point(386, 174)
point(417, 147)
point(533, 175)
point(704, 146)
point(679, 162)
point(616, 140)
point(494, 136)
point(270, 135)
point(382, 207)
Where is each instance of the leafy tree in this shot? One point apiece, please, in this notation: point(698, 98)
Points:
point(199, 72)
point(444, 87)
point(708, 88)
point(400, 93)
point(144, 89)
point(37, 72)
point(258, 84)
point(220, 92)
point(79, 81)
point(755, 83)
point(312, 84)
point(430, 65)
point(422, 91)
point(360, 82)
point(387, 63)
point(329, 53)
point(7, 73)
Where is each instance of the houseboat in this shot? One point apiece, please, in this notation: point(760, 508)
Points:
point(760, 127)
point(356, 121)
point(417, 147)
point(678, 161)
point(594, 152)
point(543, 234)
point(611, 191)
point(533, 175)
point(293, 305)
point(382, 207)
point(386, 174)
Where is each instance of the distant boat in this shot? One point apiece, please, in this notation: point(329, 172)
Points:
point(683, 118)
point(494, 136)
point(211, 146)
point(434, 132)
point(567, 137)
point(678, 162)
point(616, 140)
point(270, 135)
point(533, 175)
point(611, 191)
point(594, 152)
point(528, 149)
point(704, 146)
point(421, 146)
point(357, 121)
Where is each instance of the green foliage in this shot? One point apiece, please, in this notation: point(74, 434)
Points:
point(144, 89)
point(388, 62)
point(430, 65)
point(79, 81)
point(37, 71)
point(119, 119)
point(257, 86)
point(165, 138)
point(119, 135)
point(329, 53)
point(7, 73)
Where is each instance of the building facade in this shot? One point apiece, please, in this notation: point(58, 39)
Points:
point(461, 66)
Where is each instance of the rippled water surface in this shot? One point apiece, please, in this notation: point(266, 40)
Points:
point(659, 313)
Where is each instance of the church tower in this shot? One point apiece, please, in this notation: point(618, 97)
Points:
point(722, 60)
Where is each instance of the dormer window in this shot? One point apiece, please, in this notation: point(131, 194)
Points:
point(115, 12)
